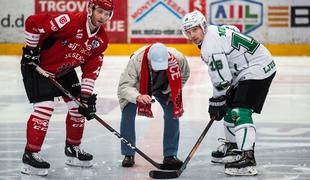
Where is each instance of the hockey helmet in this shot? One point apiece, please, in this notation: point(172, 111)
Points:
point(104, 4)
point(193, 19)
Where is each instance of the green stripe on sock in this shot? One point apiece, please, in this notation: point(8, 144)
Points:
point(244, 137)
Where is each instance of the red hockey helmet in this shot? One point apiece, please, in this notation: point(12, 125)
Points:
point(104, 4)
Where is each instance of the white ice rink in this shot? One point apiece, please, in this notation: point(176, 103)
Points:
point(283, 128)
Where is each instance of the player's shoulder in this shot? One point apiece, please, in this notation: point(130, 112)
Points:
point(68, 20)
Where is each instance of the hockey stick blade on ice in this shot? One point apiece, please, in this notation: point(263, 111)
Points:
point(126, 142)
point(174, 174)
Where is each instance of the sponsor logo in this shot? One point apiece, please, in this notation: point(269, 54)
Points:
point(64, 42)
point(62, 6)
point(288, 16)
point(150, 5)
point(79, 34)
point(62, 20)
point(247, 15)
point(199, 5)
point(73, 46)
point(53, 27)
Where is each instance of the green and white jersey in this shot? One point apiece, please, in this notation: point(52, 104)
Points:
point(233, 57)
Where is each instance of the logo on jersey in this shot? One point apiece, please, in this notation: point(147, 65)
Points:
point(62, 20)
point(95, 44)
point(246, 15)
point(53, 27)
point(79, 34)
point(64, 42)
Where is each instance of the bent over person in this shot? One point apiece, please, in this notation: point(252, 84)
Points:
point(58, 43)
point(241, 70)
point(158, 71)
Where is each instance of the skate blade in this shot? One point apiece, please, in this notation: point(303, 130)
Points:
point(227, 159)
point(71, 161)
point(247, 171)
point(29, 170)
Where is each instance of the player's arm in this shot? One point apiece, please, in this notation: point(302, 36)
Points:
point(219, 73)
point(38, 28)
point(221, 78)
point(90, 72)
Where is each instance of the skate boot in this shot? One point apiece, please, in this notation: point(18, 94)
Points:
point(245, 166)
point(33, 164)
point(224, 153)
point(77, 157)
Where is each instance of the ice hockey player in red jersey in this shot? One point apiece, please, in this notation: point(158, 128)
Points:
point(58, 43)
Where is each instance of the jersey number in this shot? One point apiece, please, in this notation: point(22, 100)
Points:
point(216, 65)
point(245, 41)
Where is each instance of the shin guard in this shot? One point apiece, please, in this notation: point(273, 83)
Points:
point(74, 124)
point(38, 124)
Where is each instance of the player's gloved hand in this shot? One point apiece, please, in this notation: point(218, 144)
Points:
point(31, 56)
point(217, 107)
point(90, 106)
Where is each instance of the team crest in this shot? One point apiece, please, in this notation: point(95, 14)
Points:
point(95, 44)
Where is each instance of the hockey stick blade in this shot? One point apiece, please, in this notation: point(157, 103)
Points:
point(163, 174)
point(169, 166)
point(174, 174)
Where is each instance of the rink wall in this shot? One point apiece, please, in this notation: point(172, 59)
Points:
point(283, 26)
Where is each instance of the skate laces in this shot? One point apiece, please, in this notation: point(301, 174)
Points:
point(37, 157)
point(225, 145)
point(78, 151)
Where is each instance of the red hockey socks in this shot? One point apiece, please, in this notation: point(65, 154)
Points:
point(37, 126)
point(75, 124)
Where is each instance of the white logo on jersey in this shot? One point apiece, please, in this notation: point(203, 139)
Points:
point(79, 34)
point(53, 27)
point(41, 30)
point(97, 71)
point(62, 20)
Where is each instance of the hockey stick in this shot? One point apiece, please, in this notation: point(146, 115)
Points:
point(174, 174)
point(123, 140)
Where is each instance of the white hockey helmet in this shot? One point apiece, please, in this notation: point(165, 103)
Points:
point(193, 19)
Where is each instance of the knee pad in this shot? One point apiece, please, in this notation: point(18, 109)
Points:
point(227, 118)
point(242, 116)
point(43, 109)
point(73, 111)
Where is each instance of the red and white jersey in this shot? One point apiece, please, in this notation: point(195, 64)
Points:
point(66, 42)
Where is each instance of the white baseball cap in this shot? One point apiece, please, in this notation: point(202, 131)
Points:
point(158, 54)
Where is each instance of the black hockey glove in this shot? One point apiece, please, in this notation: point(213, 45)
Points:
point(217, 107)
point(31, 56)
point(90, 106)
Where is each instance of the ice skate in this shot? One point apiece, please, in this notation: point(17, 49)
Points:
point(77, 157)
point(224, 153)
point(33, 164)
point(246, 166)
